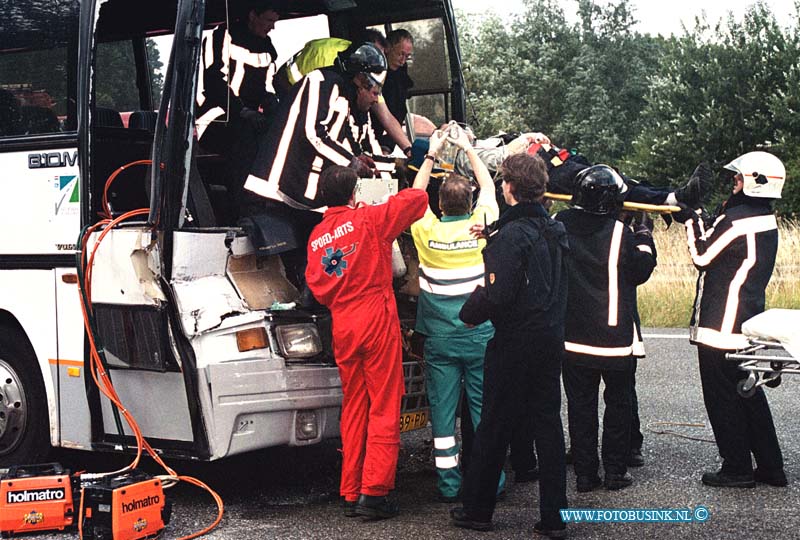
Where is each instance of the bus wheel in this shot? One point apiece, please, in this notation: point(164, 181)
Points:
point(24, 425)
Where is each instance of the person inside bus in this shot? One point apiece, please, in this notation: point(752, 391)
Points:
point(322, 122)
point(397, 85)
point(322, 52)
point(10, 114)
point(235, 100)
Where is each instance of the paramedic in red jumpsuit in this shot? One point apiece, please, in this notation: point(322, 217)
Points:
point(350, 271)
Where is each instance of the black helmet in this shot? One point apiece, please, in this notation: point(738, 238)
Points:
point(365, 58)
point(598, 190)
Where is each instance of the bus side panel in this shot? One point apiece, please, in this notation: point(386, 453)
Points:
point(69, 370)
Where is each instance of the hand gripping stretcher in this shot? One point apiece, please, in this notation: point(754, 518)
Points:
point(774, 349)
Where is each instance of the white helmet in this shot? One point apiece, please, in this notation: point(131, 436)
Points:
point(763, 174)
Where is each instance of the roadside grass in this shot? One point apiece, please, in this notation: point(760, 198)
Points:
point(666, 299)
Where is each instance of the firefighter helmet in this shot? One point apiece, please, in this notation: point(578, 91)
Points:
point(763, 174)
point(365, 58)
point(598, 190)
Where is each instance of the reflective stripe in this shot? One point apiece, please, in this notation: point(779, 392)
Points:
point(336, 103)
point(446, 462)
point(645, 248)
point(732, 304)
point(207, 118)
point(453, 273)
point(598, 351)
point(613, 277)
point(294, 72)
point(444, 443)
point(717, 339)
point(457, 289)
point(313, 179)
point(738, 228)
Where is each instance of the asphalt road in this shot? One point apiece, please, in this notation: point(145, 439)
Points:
point(291, 493)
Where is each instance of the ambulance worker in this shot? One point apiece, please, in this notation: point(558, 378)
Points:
point(735, 257)
point(350, 271)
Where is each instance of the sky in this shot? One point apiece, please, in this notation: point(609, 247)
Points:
point(654, 16)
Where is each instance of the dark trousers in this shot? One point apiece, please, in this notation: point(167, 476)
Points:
point(741, 425)
point(521, 377)
point(637, 439)
point(523, 451)
point(582, 385)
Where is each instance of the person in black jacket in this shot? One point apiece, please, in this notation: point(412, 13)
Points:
point(235, 98)
point(736, 256)
point(607, 261)
point(525, 298)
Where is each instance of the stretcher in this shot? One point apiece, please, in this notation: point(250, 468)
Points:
point(774, 349)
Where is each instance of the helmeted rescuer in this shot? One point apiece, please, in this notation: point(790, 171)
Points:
point(607, 261)
point(450, 267)
point(525, 298)
point(320, 124)
point(235, 96)
point(350, 271)
point(735, 257)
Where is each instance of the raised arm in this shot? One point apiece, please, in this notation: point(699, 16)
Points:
point(424, 172)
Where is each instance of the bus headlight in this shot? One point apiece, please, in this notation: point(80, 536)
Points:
point(298, 340)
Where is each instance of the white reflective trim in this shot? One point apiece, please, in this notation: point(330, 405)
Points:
point(446, 462)
point(598, 351)
point(732, 304)
point(208, 57)
point(613, 274)
point(313, 81)
point(280, 156)
point(738, 228)
point(645, 248)
point(717, 339)
point(210, 115)
point(294, 72)
point(457, 289)
point(444, 443)
point(453, 273)
point(313, 178)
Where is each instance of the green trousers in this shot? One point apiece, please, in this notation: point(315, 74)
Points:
point(449, 363)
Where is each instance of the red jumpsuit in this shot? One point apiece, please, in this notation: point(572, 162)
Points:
point(350, 271)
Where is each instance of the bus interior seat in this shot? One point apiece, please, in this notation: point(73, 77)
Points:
point(145, 120)
point(40, 120)
point(107, 118)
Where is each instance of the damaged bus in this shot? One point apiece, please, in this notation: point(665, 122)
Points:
point(199, 334)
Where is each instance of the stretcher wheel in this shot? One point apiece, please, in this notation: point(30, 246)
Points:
point(746, 388)
point(776, 366)
point(774, 383)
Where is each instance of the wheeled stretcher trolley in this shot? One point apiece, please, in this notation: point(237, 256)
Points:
point(774, 349)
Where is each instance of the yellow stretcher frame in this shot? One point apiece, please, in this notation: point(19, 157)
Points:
point(639, 207)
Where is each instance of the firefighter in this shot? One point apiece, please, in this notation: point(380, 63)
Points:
point(350, 271)
point(525, 299)
point(235, 97)
point(607, 261)
point(322, 52)
point(450, 266)
point(735, 257)
point(323, 122)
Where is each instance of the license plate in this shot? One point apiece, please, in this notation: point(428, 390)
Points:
point(413, 420)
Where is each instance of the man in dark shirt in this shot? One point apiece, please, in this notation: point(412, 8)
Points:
point(398, 83)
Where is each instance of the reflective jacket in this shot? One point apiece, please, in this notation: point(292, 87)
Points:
point(239, 61)
point(314, 128)
point(735, 257)
point(607, 261)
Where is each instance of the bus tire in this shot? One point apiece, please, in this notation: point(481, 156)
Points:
point(24, 422)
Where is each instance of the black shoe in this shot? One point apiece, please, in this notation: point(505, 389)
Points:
point(526, 476)
point(448, 498)
point(723, 479)
point(696, 190)
point(585, 484)
point(372, 508)
point(459, 518)
point(635, 459)
point(568, 456)
point(616, 481)
point(776, 478)
point(350, 509)
point(559, 531)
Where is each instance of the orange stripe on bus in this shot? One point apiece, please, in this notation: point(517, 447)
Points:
point(62, 362)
